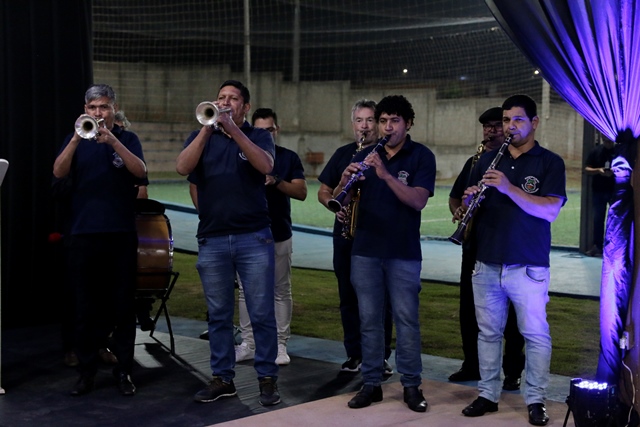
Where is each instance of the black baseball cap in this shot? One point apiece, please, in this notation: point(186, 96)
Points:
point(491, 115)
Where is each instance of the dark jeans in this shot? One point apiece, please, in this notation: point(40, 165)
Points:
point(513, 360)
point(349, 302)
point(102, 270)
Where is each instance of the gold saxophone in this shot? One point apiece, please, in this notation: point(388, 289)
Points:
point(351, 210)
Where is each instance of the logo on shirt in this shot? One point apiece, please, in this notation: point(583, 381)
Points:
point(117, 161)
point(402, 177)
point(242, 156)
point(531, 184)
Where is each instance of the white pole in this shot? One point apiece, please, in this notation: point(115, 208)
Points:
point(4, 165)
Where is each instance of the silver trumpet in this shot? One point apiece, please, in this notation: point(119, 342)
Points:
point(88, 127)
point(207, 113)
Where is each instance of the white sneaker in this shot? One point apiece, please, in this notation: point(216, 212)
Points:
point(244, 352)
point(283, 358)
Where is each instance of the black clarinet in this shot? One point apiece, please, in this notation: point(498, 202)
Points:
point(474, 204)
point(335, 204)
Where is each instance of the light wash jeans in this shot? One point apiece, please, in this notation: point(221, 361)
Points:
point(372, 278)
point(283, 300)
point(251, 255)
point(527, 288)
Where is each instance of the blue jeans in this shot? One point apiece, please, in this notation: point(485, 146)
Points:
point(527, 288)
point(373, 278)
point(252, 256)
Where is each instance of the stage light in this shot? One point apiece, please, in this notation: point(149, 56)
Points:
point(592, 403)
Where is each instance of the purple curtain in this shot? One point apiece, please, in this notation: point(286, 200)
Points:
point(589, 52)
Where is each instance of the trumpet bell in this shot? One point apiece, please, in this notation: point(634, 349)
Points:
point(207, 113)
point(87, 127)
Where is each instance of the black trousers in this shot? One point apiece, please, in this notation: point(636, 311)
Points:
point(513, 357)
point(102, 270)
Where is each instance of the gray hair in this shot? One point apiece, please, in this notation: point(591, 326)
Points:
point(120, 117)
point(362, 103)
point(98, 91)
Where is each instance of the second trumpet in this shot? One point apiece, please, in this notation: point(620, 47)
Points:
point(207, 113)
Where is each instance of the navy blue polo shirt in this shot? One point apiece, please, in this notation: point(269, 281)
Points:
point(103, 191)
point(386, 227)
point(231, 192)
point(332, 173)
point(505, 233)
point(287, 167)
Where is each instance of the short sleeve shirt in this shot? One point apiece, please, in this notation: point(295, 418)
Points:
point(386, 227)
point(103, 191)
point(505, 233)
point(231, 192)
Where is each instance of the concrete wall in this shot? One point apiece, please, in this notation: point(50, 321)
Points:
point(315, 117)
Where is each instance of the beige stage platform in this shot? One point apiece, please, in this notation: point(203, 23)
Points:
point(446, 400)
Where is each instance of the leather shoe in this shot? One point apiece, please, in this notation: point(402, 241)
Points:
point(538, 414)
point(146, 324)
point(125, 385)
point(414, 399)
point(511, 383)
point(365, 396)
point(107, 356)
point(464, 375)
point(83, 386)
point(479, 407)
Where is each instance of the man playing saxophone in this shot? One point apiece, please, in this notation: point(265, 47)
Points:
point(365, 133)
point(513, 363)
point(386, 258)
point(525, 192)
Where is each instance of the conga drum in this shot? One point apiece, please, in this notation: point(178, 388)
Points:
point(155, 246)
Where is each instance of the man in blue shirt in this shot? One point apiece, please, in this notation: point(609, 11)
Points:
point(386, 258)
point(227, 164)
point(524, 194)
point(102, 247)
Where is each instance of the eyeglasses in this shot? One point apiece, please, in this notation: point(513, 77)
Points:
point(495, 126)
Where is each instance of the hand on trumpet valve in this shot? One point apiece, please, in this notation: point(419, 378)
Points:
point(341, 215)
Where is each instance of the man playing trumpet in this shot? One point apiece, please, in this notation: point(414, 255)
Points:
point(227, 164)
point(102, 246)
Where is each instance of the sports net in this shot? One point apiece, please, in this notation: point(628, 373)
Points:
point(453, 48)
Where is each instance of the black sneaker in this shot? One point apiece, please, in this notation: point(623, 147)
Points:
point(216, 389)
point(351, 365)
point(268, 392)
point(124, 383)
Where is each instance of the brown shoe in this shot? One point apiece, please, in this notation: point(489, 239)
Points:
point(107, 357)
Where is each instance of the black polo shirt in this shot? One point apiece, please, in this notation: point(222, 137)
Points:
point(386, 227)
point(505, 233)
point(231, 192)
point(287, 167)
